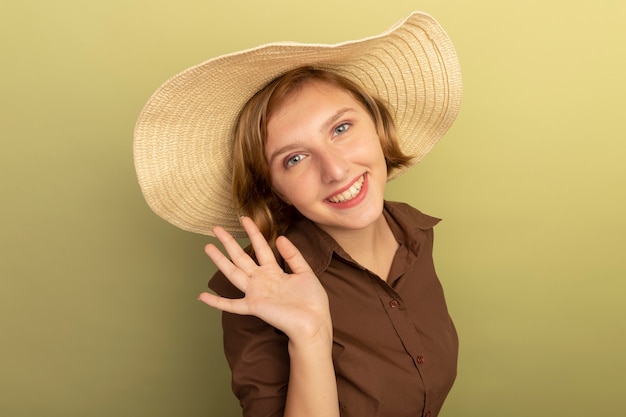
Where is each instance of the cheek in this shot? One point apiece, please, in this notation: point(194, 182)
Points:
point(379, 150)
point(297, 189)
point(282, 196)
point(279, 187)
point(373, 151)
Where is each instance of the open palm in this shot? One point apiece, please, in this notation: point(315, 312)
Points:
point(294, 303)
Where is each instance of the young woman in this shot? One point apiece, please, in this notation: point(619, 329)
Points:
point(336, 308)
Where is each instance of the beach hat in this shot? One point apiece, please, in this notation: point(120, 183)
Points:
point(184, 135)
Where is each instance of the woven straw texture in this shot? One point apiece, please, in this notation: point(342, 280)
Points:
point(184, 134)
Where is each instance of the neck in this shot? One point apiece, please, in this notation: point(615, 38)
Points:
point(373, 247)
point(366, 240)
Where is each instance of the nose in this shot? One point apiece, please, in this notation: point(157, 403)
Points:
point(334, 166)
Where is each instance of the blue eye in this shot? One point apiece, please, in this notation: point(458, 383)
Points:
point(342, 128)
point(293, 160)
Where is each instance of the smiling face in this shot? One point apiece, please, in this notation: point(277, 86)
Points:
point(325, 157)
point(255, 188)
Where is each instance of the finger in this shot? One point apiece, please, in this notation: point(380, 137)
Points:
point(234, 274)
point(262, 250)
point(238, 256)
point(292, 255)
point(237, 306)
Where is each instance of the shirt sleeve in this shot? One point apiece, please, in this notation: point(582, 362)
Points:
point(258, 358)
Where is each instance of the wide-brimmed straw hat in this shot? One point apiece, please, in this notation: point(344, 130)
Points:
point(184, 135)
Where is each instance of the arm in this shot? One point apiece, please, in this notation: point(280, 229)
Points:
point(312, 385)
point(294, 303)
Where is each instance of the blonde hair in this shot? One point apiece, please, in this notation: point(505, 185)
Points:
point(252, 184)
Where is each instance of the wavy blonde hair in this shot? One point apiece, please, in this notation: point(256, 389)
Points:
point(252, 184)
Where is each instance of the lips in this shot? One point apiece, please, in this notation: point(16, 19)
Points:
point(350, 193)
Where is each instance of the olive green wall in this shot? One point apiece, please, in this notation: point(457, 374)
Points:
point(98, 315)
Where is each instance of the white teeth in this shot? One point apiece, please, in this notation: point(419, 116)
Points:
point(350, 193)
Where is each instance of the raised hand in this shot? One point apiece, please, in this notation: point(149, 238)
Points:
point(295, 303)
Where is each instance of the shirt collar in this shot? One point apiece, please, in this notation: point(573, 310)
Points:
point(317, 247)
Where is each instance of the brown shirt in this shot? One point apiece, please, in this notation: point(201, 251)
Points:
point(395, 347)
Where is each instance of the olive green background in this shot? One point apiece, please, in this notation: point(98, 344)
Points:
point(98, 310)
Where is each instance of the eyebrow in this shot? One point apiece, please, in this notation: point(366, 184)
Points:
point(332, 119)
point(324, 127)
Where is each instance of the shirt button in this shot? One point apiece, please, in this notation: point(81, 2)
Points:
point(420, 360)
point(394, 303)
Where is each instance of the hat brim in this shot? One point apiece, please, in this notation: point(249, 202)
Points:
point(184, 135)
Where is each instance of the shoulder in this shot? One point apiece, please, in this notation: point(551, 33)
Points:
point(222, 286)
point(408, 217)
point(315, 245)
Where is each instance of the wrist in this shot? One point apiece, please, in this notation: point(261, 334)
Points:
point(316, 337)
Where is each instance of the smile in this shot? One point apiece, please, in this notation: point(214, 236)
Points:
point(350, 193)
